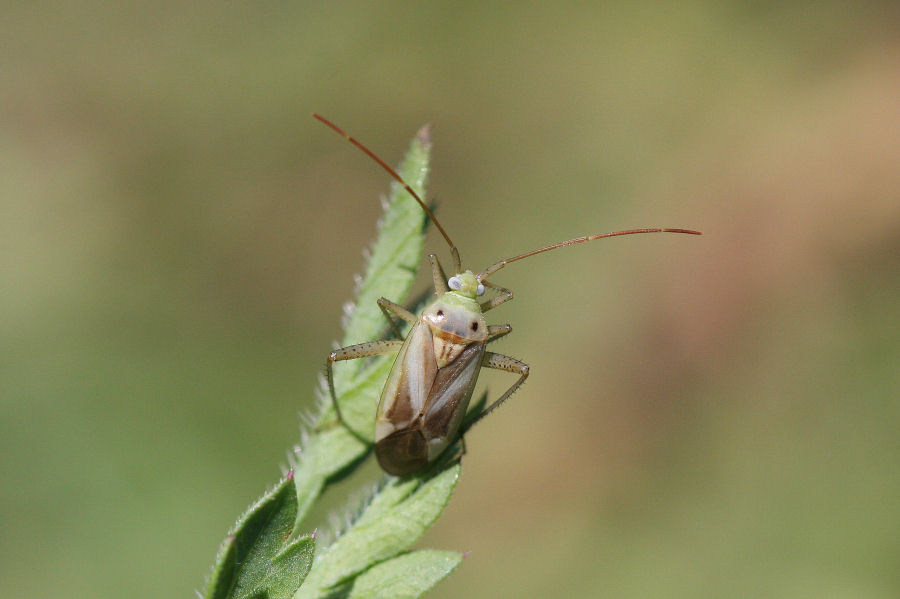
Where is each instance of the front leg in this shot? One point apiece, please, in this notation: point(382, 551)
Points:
point(495, 331)
point(388, 307)
point(438, 276)
point(353, 352)
point(503, 296)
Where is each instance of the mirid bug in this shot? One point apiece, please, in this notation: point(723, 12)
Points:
point(426, 396)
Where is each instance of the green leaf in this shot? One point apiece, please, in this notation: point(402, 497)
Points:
point(264, 556)
point(390, 271)
point(397, 252)
point(261, 557)
point(405, 577)
point(321, 455)
point(394, 520)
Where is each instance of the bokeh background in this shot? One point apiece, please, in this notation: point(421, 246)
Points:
point(706, 417)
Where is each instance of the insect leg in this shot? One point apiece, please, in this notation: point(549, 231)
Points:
point(352, 352)
point(495, 331)
point(438, 275)
point(503, 296)
point(388, 307)
point(501, 362)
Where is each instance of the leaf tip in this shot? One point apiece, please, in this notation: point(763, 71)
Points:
point(424, 134)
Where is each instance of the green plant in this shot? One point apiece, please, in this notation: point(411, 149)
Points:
point(267, 553)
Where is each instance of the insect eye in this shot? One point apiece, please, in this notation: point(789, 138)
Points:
point(454, 283)
point(480, 289)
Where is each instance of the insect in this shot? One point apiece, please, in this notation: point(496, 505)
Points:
point(427, 393)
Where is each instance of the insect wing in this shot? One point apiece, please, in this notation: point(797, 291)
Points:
point(408, 384)
point(449, 398)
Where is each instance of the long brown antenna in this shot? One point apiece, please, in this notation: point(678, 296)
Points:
point(497, 266)
point(453, 251)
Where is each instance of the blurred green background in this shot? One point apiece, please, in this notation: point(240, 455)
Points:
point(706, 417)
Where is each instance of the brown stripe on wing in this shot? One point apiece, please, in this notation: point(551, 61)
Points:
point(400, 410)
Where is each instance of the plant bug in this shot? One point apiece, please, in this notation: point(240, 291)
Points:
point(426, 396)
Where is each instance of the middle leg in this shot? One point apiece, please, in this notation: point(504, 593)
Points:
point(508, 364)
point(354, 352)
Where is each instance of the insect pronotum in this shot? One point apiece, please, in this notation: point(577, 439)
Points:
point(426, 396)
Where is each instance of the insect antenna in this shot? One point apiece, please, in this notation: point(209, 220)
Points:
point(453, 251)
point(498, 265)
